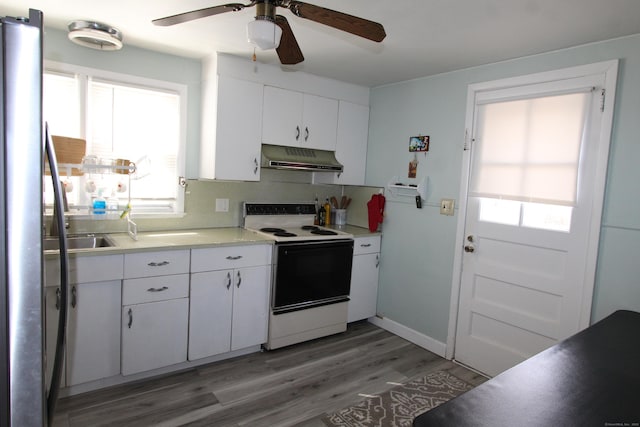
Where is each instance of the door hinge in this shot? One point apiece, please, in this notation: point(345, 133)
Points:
point(603, 93)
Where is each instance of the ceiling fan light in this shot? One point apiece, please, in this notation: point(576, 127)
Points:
point(95, 35)
point(264, 33)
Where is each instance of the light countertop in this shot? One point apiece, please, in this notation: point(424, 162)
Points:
point(188, 239)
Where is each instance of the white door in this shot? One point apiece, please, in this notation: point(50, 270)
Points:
point(529, 234)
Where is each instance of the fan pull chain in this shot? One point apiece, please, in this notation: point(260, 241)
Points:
point(254, 55)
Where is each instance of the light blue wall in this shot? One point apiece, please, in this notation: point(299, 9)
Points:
point(143, 63)
point(418, 245)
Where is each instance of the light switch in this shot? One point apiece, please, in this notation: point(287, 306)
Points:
point(222, 205)
point(446, 206)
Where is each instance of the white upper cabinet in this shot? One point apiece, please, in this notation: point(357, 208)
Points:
point(231, 129)
point(351, 146)
point(299, 119)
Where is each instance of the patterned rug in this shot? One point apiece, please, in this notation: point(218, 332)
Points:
point(400, 405)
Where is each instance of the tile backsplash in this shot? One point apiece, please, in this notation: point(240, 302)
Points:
point(200, 203)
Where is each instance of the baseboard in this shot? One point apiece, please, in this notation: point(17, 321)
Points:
point(411, 335)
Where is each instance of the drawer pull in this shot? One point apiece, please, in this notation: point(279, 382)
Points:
point(130, 318)
point(365, 245)
point(164, 288)
point(234, 258)
point(158, 264)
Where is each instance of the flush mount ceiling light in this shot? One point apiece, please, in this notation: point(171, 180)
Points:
point(95, 35)
point(264, 33)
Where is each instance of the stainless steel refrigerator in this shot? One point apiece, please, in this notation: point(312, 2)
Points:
point(27, 398)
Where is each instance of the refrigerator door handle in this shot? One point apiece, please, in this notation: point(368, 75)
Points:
point(64, 277)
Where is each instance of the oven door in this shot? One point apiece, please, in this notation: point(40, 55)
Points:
point(309, 274)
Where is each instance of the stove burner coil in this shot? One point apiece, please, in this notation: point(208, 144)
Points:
point(321, 232)
point(284, 234)
point(272, 230)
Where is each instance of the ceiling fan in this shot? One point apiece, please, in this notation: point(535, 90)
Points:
point(270, 30)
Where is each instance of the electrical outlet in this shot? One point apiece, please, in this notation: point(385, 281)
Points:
point(446, 206)
point(222, 205)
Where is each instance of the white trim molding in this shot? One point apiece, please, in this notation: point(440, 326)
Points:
point(411, 335)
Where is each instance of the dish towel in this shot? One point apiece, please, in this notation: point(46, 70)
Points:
point(375, 207)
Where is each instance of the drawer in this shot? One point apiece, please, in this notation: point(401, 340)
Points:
point(151, 289)
point(85, 269)
point(229, 257)
point(161, 263)
point(366, 245)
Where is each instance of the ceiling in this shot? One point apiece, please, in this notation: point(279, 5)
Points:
point(424, 37)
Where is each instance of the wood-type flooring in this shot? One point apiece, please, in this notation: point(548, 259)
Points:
point(292, 386)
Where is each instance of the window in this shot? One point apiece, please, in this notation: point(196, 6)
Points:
point(527, 154)
point(121, 117)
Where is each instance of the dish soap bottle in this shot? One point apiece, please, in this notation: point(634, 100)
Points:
point(99, 205)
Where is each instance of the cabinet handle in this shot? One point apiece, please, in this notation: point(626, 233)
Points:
point(239, 280)
point(164, 288)
point(74, 296)
point(158, 264)
point(297, 133)
point(58, 298)
point(365, 245)
point(306, 134)
point(228, 280)
point(234, 258)
point(377, 260)
point(130, 318)
point(255, 170)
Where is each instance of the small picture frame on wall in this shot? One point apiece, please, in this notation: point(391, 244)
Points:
point(418, 144)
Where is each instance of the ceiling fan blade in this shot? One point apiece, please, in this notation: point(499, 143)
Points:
point(200, 13)
point(341, 21)
point(289, 51)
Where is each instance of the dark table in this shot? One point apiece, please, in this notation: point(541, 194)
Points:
point(590, 379)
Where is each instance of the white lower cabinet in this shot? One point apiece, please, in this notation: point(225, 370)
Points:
point(155, 310)
point(93, 324)
point(93, 332)
point(154, 335)
point(229, 307)
point(363, 297)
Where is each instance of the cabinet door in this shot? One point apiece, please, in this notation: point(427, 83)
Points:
point(282, 117)
point(238, 132)
point(320, 122)
point(154, 335)
point(250, 306)
point(210, 313)
point(364, 287)
point(351, 146)
point(93, 332)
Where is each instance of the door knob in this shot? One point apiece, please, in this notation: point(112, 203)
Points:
point(469, 248)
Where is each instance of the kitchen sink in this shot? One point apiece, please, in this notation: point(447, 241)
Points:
point(87, 241)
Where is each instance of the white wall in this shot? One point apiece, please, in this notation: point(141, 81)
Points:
point(418, 245)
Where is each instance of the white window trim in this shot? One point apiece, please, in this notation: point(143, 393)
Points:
point(127, 79)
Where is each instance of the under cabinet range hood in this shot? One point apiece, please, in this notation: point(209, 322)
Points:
point(295, 158)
